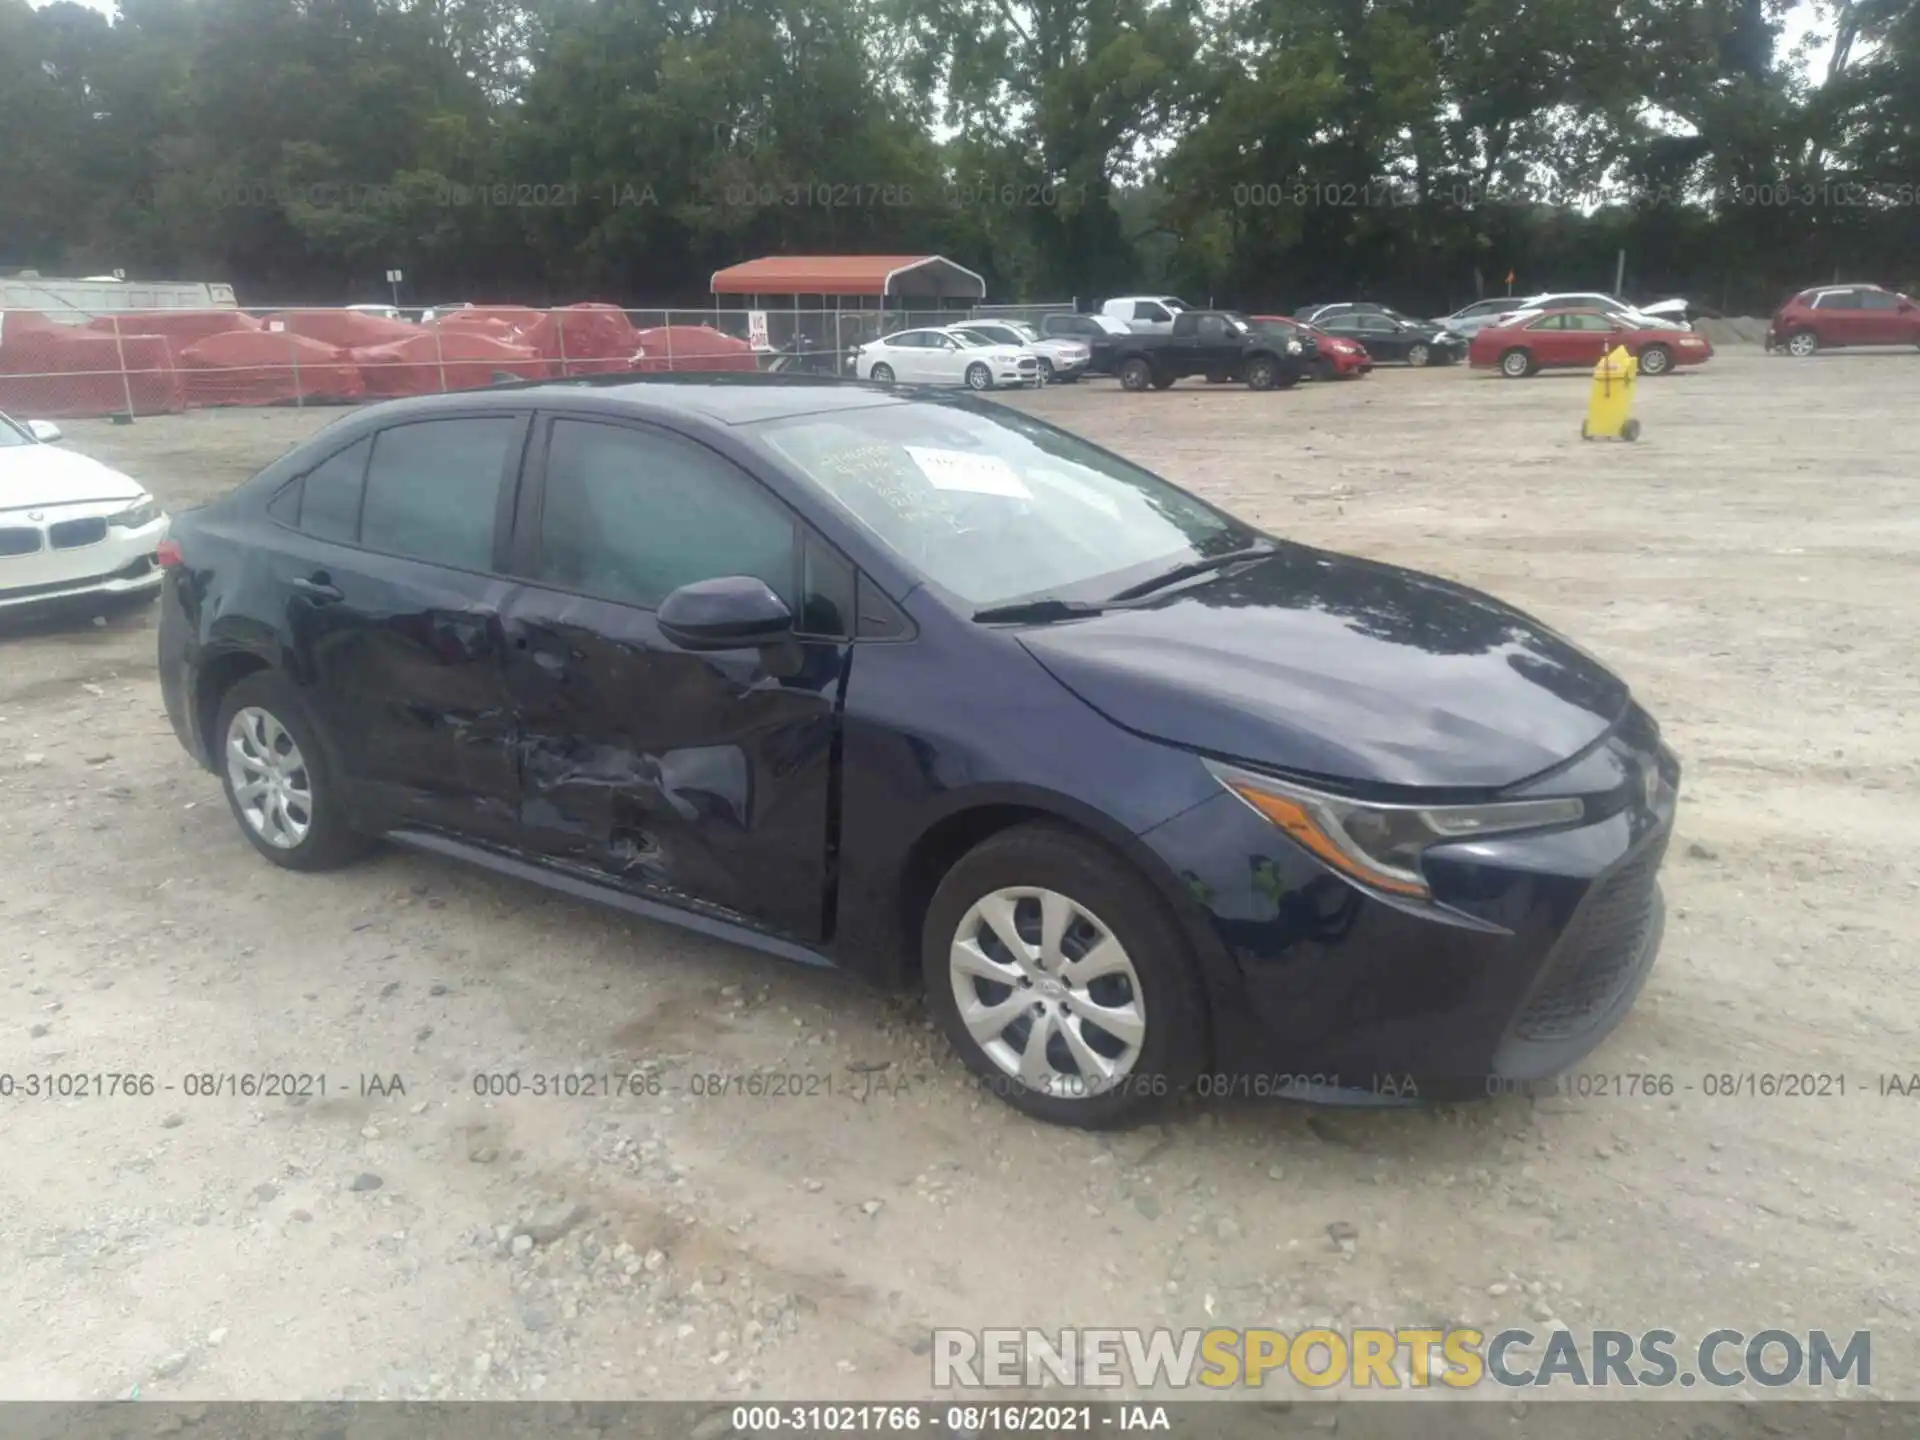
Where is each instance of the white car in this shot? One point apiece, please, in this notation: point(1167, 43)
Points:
point(941, 357)
point(71, 527)
point(1660, 315)
point(1145, 314)
point(1060, 358)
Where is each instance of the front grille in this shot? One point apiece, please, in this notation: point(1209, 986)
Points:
point(72, 534)
point(18, 540)
point(1595, 960)
point(1027, 362)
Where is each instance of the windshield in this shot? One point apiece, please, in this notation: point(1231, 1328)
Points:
point(993, 505)
point(973, 339)
point(1025, 332)
point(11, 434)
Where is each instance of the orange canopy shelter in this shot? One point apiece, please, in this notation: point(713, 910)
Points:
point(917, 277)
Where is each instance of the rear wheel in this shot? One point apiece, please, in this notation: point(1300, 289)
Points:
point(1061, 979)
point(277, 780)
point(979, 377)
point(1516, 364)
point(1262, 373)
point(881, 373)
point(1802, 343)
point(1418, 354)
point(1656, 360)
point(1136, 374)
point(1630, 430)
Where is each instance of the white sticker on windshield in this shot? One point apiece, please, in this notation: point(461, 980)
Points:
point(975, 474)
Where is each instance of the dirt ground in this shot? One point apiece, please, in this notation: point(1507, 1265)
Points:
point(1752, 565)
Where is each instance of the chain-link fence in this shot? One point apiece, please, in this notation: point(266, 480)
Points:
point(153, 362)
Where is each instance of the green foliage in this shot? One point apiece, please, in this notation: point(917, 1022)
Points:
point(1265, 150)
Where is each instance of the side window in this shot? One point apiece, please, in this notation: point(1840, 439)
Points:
point(330, 495)
point(1147, 310)
point(632, 516)
point(432, 488)
point(1549, 322)
point(826, 593)
point(1877, 300)
point(1839, 300)
point(1211, 327)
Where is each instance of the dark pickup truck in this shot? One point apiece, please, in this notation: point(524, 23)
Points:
point(1219, 344)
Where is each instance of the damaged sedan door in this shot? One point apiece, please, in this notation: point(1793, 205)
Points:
point(701, 778)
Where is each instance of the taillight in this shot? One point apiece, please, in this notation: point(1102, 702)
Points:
point(167, 554)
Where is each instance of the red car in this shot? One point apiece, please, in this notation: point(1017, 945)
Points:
point(1339, 359)
point(1562, 338)
point(1830, 316)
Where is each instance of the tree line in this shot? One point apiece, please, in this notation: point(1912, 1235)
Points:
point(1267, 151)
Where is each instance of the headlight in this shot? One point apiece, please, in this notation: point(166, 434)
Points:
point(1379, 846)
point(143, 512)
point(1293, 347)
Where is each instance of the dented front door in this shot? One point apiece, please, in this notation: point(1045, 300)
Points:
point(699, 779)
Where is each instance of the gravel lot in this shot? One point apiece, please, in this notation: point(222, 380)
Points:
point(1752, 566)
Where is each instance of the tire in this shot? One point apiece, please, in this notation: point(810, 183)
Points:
point(263, 709)
point(979, 377)
point(1630, 431)
point(1156, 981)
point(1802, 343)
point(1418, 354)
point(1046, 371)
point(881, 374)
point(1262, 373)
point(1656, 359)
point(1325, 369)
point(1135, 374)
point(1517, 364)
point(1164, 382)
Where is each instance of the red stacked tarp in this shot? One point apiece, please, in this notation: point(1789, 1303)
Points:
point(65, 372)
point(345, 328)
point(515, 318)
point(440, 360)
point(180, 328)
point(692, 347)
point(586, 339)
point(267, 367)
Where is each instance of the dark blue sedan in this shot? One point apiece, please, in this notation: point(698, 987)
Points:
point(930, 690)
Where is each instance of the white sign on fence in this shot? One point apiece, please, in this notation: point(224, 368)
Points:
point(394, 277)
point(757, 330)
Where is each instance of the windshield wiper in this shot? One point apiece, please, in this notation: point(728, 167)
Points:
point(1190, 569)
point(1037, 612)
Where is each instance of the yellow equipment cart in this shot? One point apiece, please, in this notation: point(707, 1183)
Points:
point(1610, 406)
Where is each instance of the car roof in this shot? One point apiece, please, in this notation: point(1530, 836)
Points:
point(724, 398)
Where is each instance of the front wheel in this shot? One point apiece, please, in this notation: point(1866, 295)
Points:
point(1061, 979)
point(881, 374)
point(1136, 374)
point(1324, 369)
point(1262, 374)
point(1419, 355)
point(1802, 343)
point(277, 779)
point(979, 377)
point(1047, 376)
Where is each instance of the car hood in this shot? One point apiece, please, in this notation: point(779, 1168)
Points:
point(44, 475)
point(1672, 309)
point(1327, 665)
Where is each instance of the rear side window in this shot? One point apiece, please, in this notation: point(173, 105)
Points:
point(1878, 300)
point(432, 489)
point(325, 502)
point(632, 515)
point(1147, 310)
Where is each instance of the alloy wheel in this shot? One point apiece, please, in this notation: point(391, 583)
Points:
point(1047, 991)
point(1515, 364)
point(1418, 355)
point(979, 377)
point(272, 787)
point(1802, 343)
point(881, 374)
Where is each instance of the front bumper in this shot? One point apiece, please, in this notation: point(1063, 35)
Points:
point(1538, 948)
point(118, 563)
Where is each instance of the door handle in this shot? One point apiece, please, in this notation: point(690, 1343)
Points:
point(319, 588)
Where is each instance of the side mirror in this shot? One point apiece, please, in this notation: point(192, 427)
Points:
point(45, 431)
point(734, 612)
